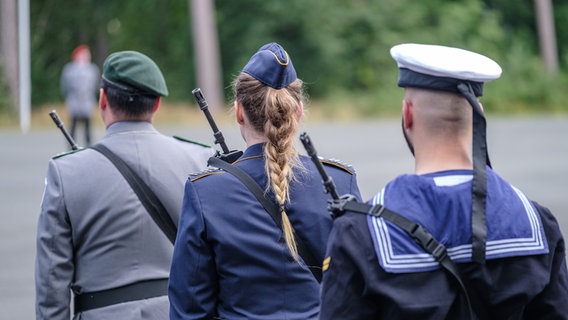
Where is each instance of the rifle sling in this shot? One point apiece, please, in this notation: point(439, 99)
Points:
point(422, 237)
point(272, 210)
point(149, 200)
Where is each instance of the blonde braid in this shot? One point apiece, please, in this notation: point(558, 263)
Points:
point(280, 157)
point(275, 113)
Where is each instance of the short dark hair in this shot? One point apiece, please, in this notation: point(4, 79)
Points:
point(129, 102)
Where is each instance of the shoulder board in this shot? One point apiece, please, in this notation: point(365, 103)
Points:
point(202, 174)
point(338, 164)
point(191, 141)
point(63, 154)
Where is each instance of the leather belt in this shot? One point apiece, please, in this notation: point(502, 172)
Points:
point(132, 292)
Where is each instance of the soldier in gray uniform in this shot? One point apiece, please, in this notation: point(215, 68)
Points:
point(95, 241)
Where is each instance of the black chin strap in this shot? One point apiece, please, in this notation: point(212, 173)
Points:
point(479, 192)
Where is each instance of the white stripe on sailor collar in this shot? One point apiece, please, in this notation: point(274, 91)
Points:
point(448, 181)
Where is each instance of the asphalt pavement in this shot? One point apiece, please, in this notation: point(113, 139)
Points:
point(531, 152)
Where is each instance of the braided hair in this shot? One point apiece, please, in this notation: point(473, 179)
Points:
point(276, 114)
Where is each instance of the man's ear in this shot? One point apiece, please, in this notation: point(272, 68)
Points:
point(102, 99)
point(239, 113)
point(157, 105)
point(407, 109)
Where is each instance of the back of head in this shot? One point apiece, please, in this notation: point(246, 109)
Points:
point(81, 54)
point(132, 83)
point(446, 69)
point(441, 114)
point(271, 96)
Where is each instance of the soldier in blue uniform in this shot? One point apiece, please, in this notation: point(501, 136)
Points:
point(509, 250)
point(231, 260)
point(96, 242)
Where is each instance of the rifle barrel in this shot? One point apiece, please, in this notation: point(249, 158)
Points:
point(328, 183)
point(219, 139)
point(61, 127)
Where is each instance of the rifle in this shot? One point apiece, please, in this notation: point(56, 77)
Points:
point(60, 125)
point(337, 204)
point(328, 184)
point(228, 155)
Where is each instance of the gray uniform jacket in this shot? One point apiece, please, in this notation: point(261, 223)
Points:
point(93, 232)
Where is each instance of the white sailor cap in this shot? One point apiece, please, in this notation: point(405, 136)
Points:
point(442, 68)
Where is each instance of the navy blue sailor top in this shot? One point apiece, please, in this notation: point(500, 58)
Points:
point(230, 259)
point(376, 271)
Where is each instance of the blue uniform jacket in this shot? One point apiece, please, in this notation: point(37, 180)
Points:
point(377, 272)
point(230, 259)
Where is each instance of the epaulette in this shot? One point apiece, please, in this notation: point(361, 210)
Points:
point(63, 154)
point(202, 174)
point(191, 141)
point(338, 164)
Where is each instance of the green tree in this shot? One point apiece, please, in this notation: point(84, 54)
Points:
point(340, 48)
point(159, 29)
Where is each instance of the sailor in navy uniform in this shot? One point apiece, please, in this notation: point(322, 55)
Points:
point(374, 270)
point(231, 260)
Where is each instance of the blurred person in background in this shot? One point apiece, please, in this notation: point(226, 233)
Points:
point(79, 85)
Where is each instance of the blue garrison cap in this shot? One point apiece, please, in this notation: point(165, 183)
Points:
point(442, 68)
point(272, 66)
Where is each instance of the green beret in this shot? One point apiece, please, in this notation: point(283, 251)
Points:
point(135, 71)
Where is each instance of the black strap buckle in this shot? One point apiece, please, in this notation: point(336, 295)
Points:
point(337, 206)
point(376, 210)
point(429, 243)
point(440, 252)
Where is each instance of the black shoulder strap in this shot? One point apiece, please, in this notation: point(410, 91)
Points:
point(149, 200)
point(270, 207)
point(240, 174)
point(415, 231)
